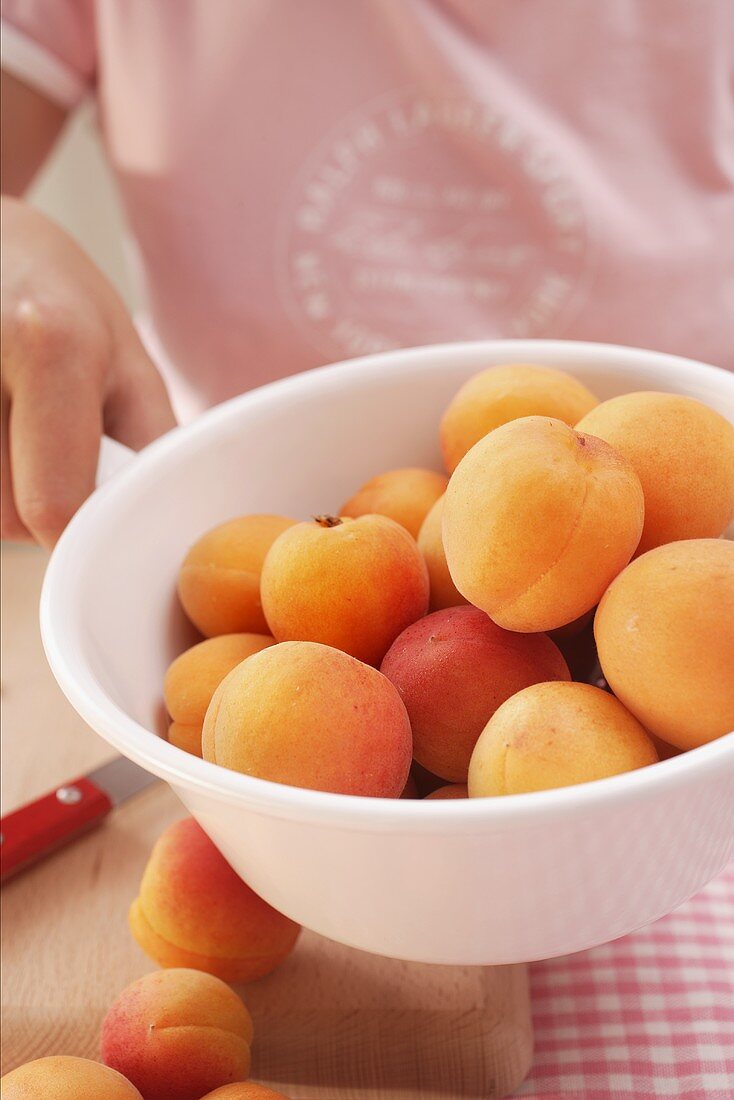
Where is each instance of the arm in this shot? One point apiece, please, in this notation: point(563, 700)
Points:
point(73, 366)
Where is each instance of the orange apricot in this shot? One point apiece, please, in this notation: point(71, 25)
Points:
point(556, 735)
point(405, 495)
point(193, 677)
point(61, 1077)
point(451, 790)
point(311, 716)
point(444, 592)
point(500, 394)
point(353, 584)
point(683, 453)
point(538, 520)
point(194, 911)
point(665, 635)
point(219, 580)
point(187, 738)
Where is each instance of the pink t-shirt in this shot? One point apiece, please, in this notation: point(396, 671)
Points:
point(308, 181)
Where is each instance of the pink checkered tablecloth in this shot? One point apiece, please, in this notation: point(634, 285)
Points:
point(649, 1015)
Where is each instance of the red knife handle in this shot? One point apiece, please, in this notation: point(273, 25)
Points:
point(30, 833)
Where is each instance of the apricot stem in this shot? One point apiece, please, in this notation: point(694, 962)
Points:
point(327, 521)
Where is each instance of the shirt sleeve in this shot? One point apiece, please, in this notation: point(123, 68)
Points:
point(51, 45)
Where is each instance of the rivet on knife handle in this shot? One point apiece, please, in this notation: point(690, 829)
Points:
point(35, 830)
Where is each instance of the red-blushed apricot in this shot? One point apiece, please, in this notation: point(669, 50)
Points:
point(556, 735)
point(178, 1034)
point(500, 394)
point(683, 454)
point(244, 1090)
point(444, 592)
point(353, 584)
point(309, 715)
point(405, 495)
point(61, 1077)
point(453, 669)
point(194, 911)
point(193, 677)
point(219, 580)
point(451, 790)
point(538, 520)
point(665, 635)
point(184, 737)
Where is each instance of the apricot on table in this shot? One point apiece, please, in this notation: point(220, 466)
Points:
point(193, 677)
point(665, 636)
point(556, 735)
point(219, 580)
point(194, 911)
point(538, 520)
point(451, 790)
point(683, 454)
point(178, 1034)
point(500, 394)
point(453, 669)
point(444, 592)
point(244, 1090)
point(353, 584)
point(311, 716)
point(405, 495)
point(61, 1077)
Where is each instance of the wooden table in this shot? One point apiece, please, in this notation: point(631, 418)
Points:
point(331, 1022)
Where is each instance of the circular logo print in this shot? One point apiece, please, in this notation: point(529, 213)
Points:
point(423, 221)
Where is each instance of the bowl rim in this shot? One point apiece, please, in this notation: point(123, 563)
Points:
point(182, 769)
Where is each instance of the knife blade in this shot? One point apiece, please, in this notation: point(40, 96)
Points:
point(33, 831)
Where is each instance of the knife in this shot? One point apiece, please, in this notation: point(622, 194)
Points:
point(40, 827)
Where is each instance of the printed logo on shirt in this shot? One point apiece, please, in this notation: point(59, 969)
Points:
point(423, 221)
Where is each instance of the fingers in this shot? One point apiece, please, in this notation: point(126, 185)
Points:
point(54, 431)
point(11, 526)
point(137, 407)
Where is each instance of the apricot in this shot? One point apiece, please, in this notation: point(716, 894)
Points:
point(219, 580)
point(405, 495)
point(244, 1090)
point(187, 738)
point(556, 735)
point(311, 716)
point(453, 669)
point(500, 394)
point(64, 1078)
point(178, 1034)
point(353, 584)
point(444, 592)
point(665, 635)
point(683, 454)
point(451, 790)
point(193, 677)
point(194, 911)
point(538, 520)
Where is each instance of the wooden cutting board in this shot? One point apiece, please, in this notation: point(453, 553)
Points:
point(330, 1023)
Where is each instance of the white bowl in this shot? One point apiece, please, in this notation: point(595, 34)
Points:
point(487, 881)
